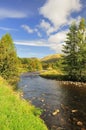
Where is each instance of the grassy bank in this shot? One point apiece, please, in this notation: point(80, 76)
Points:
point(16, 113)
point(59, 75)
point(53, 74)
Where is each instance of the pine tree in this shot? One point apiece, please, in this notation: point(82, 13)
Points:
point(70, 50)
point(75, 52)
point(81, 56)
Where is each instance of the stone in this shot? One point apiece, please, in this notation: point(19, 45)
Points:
point(42, 100)
point(56, 112)
point(79, 123)
point(74, 110)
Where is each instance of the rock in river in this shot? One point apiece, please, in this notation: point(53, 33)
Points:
point(56, 112)
point(79, 123)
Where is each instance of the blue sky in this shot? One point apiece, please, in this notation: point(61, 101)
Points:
point(39, 27)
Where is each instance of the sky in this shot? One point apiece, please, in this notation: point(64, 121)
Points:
point(39, 27)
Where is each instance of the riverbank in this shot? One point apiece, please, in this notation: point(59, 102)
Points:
point(63, 79)
point(16, 113)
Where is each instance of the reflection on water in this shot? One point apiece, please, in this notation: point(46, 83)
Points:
point(64, 106)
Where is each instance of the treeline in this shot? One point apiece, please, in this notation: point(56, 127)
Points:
point(49, 65)
point(30, 64)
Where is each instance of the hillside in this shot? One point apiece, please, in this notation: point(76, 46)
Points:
point(51, 58)
point(16, 113)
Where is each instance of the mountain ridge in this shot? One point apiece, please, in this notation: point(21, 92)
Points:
point(51, 58)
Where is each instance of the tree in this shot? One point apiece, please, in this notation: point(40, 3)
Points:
point(81, 49)
point(8, 58)
point(70, 50)
point(31, 64)
point(75, 51)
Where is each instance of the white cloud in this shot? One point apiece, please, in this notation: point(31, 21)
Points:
point(58, 37)
point(57, 47)
point(30, 30)
point(58, 12)
point(77, 20)
point(27, 28)
point(58, 15)
point(33, 43)
point(51, 29)
point(37, 31)
point(39, 34)
point(8, 29)
point(9, 13)
point(47, 27)
point(54, 42)
point(57, 41)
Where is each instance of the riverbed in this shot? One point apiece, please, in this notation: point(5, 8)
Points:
point(64, 105)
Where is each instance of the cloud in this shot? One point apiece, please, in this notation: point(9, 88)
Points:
point(33, 43)
point(10, 13)
point(30, 30)
point(8, 29)
point(47, 27)
point(58, 37)
point(38, 33)
point(77, 20)
point(59, 12)
point(54, 42)
point(57, 41)
point(57, 16)
point(27, 28)
point(57, 47)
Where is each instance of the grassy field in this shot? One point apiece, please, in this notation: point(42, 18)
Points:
point(16, 113)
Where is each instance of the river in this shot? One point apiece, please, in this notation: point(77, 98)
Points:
point(64, 106)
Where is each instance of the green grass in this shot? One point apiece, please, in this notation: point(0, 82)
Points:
point(53, 74)
point(16, 113)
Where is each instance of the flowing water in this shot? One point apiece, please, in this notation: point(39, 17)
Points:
point(64, 106)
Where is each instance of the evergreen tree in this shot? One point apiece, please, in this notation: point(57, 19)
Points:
point(81, 56)
point(75, 52)
point(70, 50)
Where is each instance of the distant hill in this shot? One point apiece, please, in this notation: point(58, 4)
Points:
point(51, 58)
